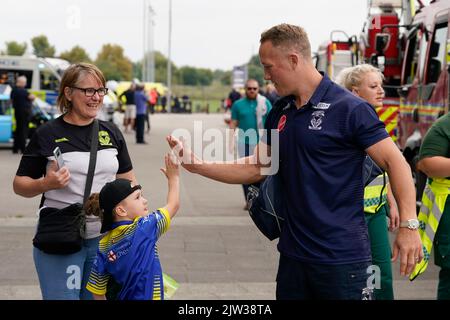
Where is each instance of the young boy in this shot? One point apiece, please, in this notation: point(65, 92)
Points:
point(128, 254)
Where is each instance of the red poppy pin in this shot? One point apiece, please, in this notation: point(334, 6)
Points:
point(282, 123)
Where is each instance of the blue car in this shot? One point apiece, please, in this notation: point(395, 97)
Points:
point(5, 115)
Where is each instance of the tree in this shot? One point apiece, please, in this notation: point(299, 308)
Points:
point(226, 78)
point(204, 77)
point(255, 70)
point(41, 47)
point(189, 76)
point(13, 48)
point(137, 70)
point(256, 73)
point(192, 76)
point(114, 64)
point(75, 55)
point(223, 77)
point(254, 60)
point(161, 69)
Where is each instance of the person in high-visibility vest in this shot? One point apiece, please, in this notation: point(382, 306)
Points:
point(434, 215)
point(366, 82)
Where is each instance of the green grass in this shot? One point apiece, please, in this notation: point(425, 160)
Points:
point(201, 96)
point(201, 105)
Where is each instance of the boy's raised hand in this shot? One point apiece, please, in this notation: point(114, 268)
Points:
point(172, 169)
point(183, 153)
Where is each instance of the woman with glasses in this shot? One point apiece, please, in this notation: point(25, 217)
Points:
point(80, 99)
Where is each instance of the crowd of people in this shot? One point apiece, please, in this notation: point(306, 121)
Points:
point(137, 104)
point(327, 134)
point(329, 139)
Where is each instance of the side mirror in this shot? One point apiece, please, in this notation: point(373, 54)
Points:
point(381, 41)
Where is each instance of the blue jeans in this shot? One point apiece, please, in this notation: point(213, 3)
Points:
point(306, 281)
point(64, 277)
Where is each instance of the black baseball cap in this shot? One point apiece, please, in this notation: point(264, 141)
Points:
point(110, 196)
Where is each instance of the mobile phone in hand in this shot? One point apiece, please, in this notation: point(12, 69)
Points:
point(58, 156)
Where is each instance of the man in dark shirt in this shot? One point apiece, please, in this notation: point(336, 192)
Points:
point(234, 96)
point(21, 102)
point(129, 116)
point(324, 134)
point(141, 112)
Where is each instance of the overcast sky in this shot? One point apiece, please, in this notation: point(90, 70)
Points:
point(216, 34)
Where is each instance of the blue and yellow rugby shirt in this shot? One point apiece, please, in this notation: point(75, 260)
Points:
point(129, 254)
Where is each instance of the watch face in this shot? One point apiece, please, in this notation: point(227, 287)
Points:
point(414, 224)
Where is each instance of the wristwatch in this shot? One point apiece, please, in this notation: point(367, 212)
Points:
point(412, 224)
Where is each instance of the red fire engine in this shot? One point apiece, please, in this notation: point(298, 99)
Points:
point(335, 55)
point(411, 45)
point(378, 44)
point(424, 87)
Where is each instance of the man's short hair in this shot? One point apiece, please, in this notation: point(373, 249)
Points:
point(288, 36)
point(251, 80)
point(22, 79)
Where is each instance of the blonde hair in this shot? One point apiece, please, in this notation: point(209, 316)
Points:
point(288, 36)
point(72, 76)
point(352, 76)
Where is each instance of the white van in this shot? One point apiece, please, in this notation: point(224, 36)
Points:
point(43, 74)
point(43, 79)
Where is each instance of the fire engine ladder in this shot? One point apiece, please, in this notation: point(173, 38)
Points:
point(407, 7)
point(342, 58)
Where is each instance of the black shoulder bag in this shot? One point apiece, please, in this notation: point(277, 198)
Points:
point(266, 202)
point(265, 206)
point(60, 231)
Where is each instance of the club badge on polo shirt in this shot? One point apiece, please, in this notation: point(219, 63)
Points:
point(103, 138)
point(322, 106)
point(112, 256)
point(316, 120)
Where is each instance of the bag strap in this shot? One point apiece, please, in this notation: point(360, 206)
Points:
point(92, 161)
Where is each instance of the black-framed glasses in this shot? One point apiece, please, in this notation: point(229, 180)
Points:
point(90, 92)
point(252, 88)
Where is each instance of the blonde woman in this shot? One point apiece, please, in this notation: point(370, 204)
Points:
point(365, 81)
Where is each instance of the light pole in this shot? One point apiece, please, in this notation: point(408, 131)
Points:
point(144, 38)
point(151, 49)
point(148, 61)
point(169, 65)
